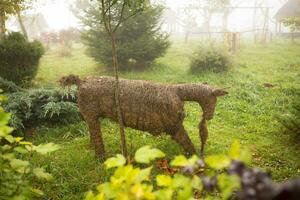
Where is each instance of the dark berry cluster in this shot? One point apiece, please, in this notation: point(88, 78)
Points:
point(255, 184)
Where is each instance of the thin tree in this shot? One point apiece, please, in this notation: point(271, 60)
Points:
point(13, 7)
point(7, 8)
point(114, 13)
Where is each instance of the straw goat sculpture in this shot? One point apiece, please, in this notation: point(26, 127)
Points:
point(146, 106)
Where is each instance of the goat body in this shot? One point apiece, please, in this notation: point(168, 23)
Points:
point(145, 106)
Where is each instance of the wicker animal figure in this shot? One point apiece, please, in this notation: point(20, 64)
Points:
point(145, 106)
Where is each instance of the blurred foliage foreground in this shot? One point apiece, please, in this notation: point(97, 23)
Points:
point(15, 167)
point(217, 176)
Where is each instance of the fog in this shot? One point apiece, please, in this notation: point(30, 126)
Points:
point(59, 16)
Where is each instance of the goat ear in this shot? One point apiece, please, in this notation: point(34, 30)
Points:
point(219, 92)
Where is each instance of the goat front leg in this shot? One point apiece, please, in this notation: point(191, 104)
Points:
point(182, 138)
point(203, 133)
point(96, 136)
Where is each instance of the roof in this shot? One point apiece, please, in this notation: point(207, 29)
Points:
point(290, 9)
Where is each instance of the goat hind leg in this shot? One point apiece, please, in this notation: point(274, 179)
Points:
point(182, 138)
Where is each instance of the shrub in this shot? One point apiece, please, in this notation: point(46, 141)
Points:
point(210, 58)
point(36, 107)
point(9, 86)
point(68, 36)
point(215, 177)
point(15, 167)
point(64, 51)
point(139, 40)
point(19, 58)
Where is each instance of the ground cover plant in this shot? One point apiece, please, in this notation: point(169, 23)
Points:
point(31, 108)
point(262, 81)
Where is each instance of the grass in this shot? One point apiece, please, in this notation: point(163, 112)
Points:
point(248, 114)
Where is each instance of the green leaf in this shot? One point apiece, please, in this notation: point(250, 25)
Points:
point(143, 175)
point(180, 161)
point(8, 156)
point(217, 162)
point(246, 156)
point(228, 184)
point(147, 154)
point(164, 194)
point(3, 98)
point(163, 180)
point(89, 196)
point(40, 173)
point(5, 130)
point(4, 117)
point(197, 183)
point(46, 148)
point(108, 190)
point(37, 191)
point(117, 161)
point(185, 194)
point(21, 150)
point(235, 150)
point(17, 163)
point(180, 181)
point(10, 138)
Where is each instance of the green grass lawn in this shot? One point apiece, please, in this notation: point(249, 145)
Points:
point(248, 113)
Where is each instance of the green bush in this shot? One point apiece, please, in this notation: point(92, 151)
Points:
point(32, 108)
point(210, 58)
point(139, 40)
point(15, 167)
point(19, 58)
point(9, 86)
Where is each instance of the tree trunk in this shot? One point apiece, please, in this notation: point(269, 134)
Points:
point(23, 29)
point(117, 95)
point(2, 24)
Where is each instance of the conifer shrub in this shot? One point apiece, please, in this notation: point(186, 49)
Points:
point(9, 86)
point(32, 108)
point(19, 58)
point(139, 39)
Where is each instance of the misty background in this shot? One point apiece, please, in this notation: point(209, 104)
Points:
point(58, 15)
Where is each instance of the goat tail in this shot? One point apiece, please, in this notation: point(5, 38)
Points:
point(203, 133)
point(70, 80)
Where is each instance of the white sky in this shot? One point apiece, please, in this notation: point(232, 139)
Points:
point(59, 16)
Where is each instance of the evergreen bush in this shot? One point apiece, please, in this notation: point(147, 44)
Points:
point(139, 40)
point(19, 58)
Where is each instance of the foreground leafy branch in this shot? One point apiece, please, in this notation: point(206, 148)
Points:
point(218, 176)
point(15, 166)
